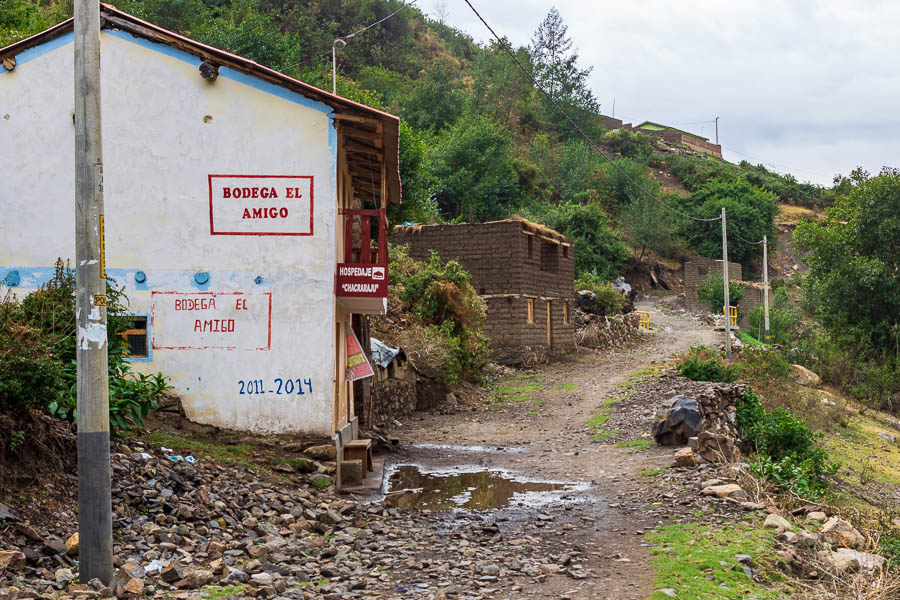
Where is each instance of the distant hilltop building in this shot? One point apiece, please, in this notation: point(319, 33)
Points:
point(670, 134)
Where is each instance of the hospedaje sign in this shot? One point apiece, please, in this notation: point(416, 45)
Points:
point(361, 281)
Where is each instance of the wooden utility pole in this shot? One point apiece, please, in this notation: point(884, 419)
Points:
point(727, 308)
point(94, 498)
point(766, 286)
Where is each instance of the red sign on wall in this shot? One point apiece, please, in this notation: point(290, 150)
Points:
point(358, 366)
point(260, 205)
point(362, 281)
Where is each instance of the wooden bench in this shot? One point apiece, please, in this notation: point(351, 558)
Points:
point(360, 450)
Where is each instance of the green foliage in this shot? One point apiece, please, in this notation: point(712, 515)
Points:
point(598, 248)
point(447, 306)
point(750, 213)
point(763, 363)
point(649, 225)
point(785, 448)
point(437, 101)
point(853, 284)
point(417, 205)
point(712, 291)
point(624, 181)
point(636, 146)
point(37, 355)
point(784, 316)
point(22, 18)
point(607, 299)
point(706, 364)
point(473, 168)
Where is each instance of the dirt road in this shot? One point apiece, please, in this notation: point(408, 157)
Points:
point(537, 431)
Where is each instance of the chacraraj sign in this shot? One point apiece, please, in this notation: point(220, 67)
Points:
point(366, 281)
point(260, 205)
point(211, 320)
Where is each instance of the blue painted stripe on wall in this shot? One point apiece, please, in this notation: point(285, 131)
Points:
point(248, 80)
point(38, 51)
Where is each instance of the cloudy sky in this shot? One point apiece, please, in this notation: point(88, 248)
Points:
point(806, 87)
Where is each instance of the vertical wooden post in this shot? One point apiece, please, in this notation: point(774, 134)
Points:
point(94, 497)
point(726, 309)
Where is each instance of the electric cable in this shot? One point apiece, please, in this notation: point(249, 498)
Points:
point(378, 22)
point(590, 141)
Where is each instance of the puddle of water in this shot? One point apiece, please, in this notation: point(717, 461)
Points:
point(465, 449)
point(410, 487)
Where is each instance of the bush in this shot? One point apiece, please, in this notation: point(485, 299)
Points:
point(607, 299)
point(706, 364)
point(712, 292)
point(631, 145)
point(447, 341)
point(760, 363)
point(785, 448)
point(37, 355)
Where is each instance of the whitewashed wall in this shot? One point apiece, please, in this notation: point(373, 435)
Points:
point(165, 131)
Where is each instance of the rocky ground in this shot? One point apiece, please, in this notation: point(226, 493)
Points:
point(549, 490)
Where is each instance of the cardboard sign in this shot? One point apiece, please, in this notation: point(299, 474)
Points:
point(260, 205)
point(211, 320)
point(358, 366)
point(362, 281)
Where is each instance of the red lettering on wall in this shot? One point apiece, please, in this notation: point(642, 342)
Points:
point(240, 304)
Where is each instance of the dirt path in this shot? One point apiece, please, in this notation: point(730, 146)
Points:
point(542, 433)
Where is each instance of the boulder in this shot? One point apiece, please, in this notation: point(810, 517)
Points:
point(685, 458)
point(677, 420)
point(840, 562)
point(804, 376)
point(323, 452)
point(817, 516)
point(776, 522)
point(839, 532)
point(717, 447)
point(134, 587)
point(194, 578)
point(72, 545)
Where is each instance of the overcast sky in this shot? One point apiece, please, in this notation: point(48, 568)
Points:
point(811, 88)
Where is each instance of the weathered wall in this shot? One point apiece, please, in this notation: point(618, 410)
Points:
point(166, 130)
point(695, 273)
point(506, 269)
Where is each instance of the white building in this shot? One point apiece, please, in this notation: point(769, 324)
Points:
point(227, 188)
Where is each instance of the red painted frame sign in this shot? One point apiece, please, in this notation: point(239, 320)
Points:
point(211, 320)
point(361, 281)
point(261, 205)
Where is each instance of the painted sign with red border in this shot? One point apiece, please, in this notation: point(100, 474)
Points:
point(211, 320)
point(362, 281)
point(358, 366)
point(261, 204)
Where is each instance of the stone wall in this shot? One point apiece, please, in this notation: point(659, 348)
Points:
point(514, 264)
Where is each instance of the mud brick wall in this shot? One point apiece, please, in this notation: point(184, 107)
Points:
point(753, 297)
point(506, 268)
point(695, 273)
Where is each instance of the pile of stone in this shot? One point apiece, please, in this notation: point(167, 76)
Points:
point(603, 333)
point(180, 528)
point(704, 421)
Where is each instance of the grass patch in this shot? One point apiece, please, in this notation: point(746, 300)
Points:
point(533, 412)
point(605, 435)
point(321, 482)
point(697, 561)
point(651, 473)
point(509, 390)
point(598, 420)
point(749, 340)
point(567, 386)
point(227, 453)
point(637, 445)
point(216, 592)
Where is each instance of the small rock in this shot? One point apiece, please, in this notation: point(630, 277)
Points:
point(887, 437)
point(728, 490)
point(867, 561)
point(842, 563)
point(12, 560)
point(818, 517)
point(777, 522)
point(194, 578)
point(134, 587)
point(669, 591)
point(72, 545)
point(804, 376)
point(63, 575)
point(261, 579)
point(323, 452)
point(685, 458)
point(839, 532)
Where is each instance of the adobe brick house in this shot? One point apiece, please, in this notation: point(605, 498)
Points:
point(524, 272)
point(698, 269)
point(679, 136)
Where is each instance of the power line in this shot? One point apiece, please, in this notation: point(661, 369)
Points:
point(735, 234)
point(378, 22)
point(590, 141)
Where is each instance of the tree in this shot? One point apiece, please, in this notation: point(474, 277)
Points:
point(473, 168)
point(650, 225)
point(556, 65)
point(853, 282)
point(750, 214)
point(437, 101)
point(441, 11)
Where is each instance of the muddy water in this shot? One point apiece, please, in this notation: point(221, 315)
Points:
point(412, 487)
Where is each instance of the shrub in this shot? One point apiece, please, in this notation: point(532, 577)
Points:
point(784, 317)
point(706, 364)
point(712, 292)
point(760, 363)
point(632, 145)
point(785, 448)
point(607, 299)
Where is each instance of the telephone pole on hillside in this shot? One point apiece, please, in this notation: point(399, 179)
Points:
point(768, 337)
point(727, 308)
point(94, 497)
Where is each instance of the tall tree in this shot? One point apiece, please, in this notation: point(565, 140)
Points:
point(556, 64)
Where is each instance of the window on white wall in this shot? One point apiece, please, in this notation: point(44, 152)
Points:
point(136, 337)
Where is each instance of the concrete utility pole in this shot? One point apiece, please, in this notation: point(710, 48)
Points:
point(766, 285)
point(94, 498)
point(727, 307)
point(334, 63)
point(717, 131)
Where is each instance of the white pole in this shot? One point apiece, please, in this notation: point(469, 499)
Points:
point(727, 308)
point(94, 498)
point(766, 286)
